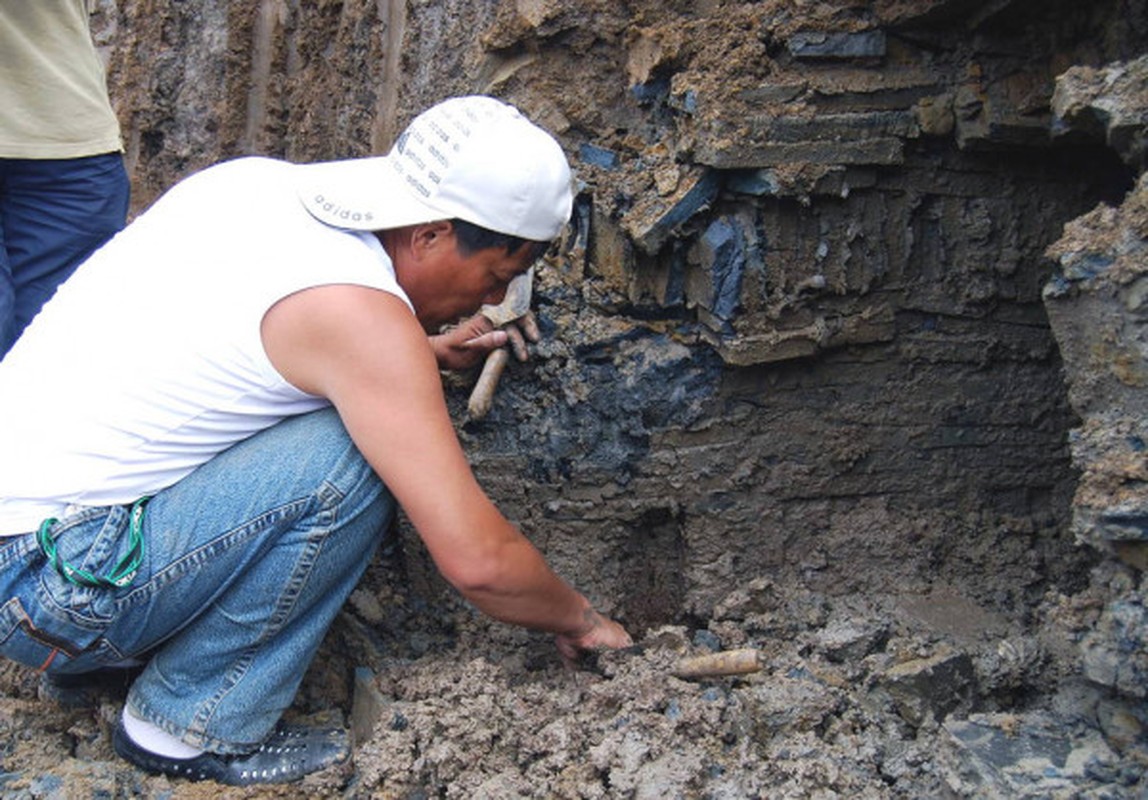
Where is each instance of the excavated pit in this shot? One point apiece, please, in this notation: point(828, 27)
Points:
point(798, 392)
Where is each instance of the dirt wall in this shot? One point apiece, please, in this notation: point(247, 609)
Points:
point(796, 325)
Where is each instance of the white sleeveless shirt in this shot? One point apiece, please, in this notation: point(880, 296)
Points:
point(149, 359)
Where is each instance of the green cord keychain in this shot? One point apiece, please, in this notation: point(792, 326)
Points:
point(125, 569)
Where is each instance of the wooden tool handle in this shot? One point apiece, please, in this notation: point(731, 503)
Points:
point(727, 662)
point(482, 396)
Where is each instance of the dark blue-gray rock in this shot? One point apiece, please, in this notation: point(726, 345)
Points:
point(674, 293)
point(722, 250)
point(1033, 755)
point(598, 156)
point(821, 45)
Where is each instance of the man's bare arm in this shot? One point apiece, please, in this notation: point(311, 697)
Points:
point(363, 350)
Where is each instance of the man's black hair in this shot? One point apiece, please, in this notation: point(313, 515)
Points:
point(472, 238)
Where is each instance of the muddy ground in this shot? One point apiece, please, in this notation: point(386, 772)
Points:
point(854, 697)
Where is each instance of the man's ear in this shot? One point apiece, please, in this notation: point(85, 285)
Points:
point(430, 235)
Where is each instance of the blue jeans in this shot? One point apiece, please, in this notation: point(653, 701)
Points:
point(53, 214)
point(246, 563)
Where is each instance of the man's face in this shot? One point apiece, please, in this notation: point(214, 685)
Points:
point(444, 285)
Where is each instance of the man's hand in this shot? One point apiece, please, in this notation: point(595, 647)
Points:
point(468, 343)
point(598, 633)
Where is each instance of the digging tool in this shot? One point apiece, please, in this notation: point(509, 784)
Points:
point(743, 661)
point(726, 662)
point(513, 306)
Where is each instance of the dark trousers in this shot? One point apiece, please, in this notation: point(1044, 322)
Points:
point(53, 214)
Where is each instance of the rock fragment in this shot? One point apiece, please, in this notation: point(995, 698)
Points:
point(930, 687)
point(1026, 756)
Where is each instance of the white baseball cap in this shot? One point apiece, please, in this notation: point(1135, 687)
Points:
point(473, 158)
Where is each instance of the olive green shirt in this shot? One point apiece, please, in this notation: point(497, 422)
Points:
point(53, 97)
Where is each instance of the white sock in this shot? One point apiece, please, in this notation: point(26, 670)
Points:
point(156, 740)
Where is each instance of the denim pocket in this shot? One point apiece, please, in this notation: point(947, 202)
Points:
point(21, 640)
point(94, 544)
point(43, 613)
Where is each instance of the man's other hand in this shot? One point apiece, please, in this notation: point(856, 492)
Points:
point(468, 343)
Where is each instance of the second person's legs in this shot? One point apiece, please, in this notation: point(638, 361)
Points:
point(53, 214)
